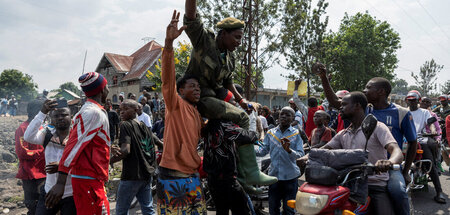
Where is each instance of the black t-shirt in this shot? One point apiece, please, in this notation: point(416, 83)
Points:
point(270, 120)
point(139, 164)
point(113, 119)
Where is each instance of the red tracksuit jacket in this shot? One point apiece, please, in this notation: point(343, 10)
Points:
point(87, 150)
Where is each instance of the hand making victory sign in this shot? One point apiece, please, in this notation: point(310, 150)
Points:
point(172, 31)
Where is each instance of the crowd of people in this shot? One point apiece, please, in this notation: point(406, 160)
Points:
point(8, 106)
point(65, 157)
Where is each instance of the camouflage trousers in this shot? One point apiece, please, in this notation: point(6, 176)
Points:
point(213, 108)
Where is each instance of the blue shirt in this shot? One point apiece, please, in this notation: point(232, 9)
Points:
point(399, 120)
point(299, 119)
point(283, 164)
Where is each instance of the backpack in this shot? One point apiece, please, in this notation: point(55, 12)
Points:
point(48, 137)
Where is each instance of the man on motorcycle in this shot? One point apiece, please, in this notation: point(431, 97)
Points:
point(380, 143)
point(443, 110)
point(420, 117)
point(398, 120)
point(426, 104)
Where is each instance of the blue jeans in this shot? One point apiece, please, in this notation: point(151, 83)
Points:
point(12, 111)
point(397, 191)
point(282, 191)
point(128, 190)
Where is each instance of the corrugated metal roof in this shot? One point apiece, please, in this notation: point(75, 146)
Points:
point(143, 59)
point(121, 63)
point(135, 65)
point(72, 93)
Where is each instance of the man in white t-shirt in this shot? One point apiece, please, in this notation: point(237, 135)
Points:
point(143, 117)
point(420, 117)
point(54, 139)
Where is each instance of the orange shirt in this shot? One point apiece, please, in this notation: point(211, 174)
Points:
point(183, 123)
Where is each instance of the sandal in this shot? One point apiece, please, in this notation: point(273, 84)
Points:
point(440, 199)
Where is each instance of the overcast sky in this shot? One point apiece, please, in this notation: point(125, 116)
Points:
point(48, 39)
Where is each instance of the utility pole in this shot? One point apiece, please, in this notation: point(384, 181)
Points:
point(84, 61)
point(250, 46)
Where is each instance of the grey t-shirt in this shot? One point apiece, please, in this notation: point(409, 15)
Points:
point(348, 139)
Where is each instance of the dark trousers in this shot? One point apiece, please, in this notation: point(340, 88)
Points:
point(31, 190)
point(380, 204)
point(66, 206)
point(213, 108)
point(429, 150)
point(282, 191)
point(228, 195)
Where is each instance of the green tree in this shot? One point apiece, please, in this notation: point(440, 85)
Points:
point(426, 79)
point(70, 86)
point(14, 82)
point(182, 57)
point(264, 36)
point(363, 48)
point(400, 86)
point(302, 30)
point(445, 89)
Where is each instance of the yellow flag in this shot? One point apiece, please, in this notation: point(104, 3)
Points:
point(301, 89)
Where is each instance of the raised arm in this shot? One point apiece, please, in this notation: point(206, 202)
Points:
point(190, 8)
point(302, 107)
point(329, 93)
point(168, 65)
point(33, 134)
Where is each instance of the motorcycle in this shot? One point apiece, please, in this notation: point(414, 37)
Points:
point(327, 192)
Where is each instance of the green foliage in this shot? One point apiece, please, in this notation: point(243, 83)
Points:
point(363, 48)
point(265, 38)
point(239, 77)
point(399, 86)
point(302, 30)
point(67, 86)
point(426, 79)
point(14, 82)
point(182, 57)
point(445, 89)
point(70, 86)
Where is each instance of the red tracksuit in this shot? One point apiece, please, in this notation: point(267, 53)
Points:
point(86, 157)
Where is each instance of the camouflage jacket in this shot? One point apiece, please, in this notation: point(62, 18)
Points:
point(214, 69)
point(442, 112)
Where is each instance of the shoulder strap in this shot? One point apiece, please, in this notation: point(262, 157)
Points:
point(48, 137)
point(401, 114)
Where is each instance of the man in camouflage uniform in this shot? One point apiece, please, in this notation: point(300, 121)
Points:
point(213, 62)
point(443, 110)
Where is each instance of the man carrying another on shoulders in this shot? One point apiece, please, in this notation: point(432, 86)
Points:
point(183, 124)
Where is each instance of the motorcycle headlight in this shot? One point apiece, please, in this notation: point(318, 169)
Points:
point(309, 204)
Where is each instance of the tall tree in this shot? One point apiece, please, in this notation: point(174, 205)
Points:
point(182, 58)
point(426, 79)
point(265, 38)
point(363, 48)
point(14, 82)
point(400, 86)
point(445, 89)
point(70, 86)
point(302, 30)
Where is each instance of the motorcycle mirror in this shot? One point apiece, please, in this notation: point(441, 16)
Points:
point(368, 126)
point(431, 120)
